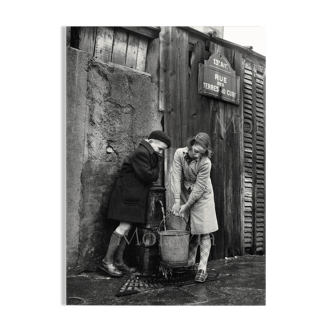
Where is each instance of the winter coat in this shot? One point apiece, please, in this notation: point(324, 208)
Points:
point(128, 198)
point(192, 184)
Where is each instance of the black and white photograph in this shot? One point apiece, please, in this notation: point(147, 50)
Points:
point(165, 166)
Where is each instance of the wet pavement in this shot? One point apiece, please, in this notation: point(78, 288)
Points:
point(241, 281)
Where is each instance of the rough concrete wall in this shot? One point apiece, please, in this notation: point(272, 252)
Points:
point(77, 64)
point(123, 109)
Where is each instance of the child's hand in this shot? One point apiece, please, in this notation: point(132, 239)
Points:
point(183, 209)
point(176, 208)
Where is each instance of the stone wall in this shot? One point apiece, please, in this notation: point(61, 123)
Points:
point(77, 64)
point(122, 106)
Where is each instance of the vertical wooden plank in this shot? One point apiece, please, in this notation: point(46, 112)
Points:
point(239, 69)
point(196, 58)
point(141, 54)
point(237, 166)
point(175, 111)
point(120, 46)
point(68, 36)
point(167, 101)
point(217, 175)
point(216, 132)
point(160, 68)
point(172, 115)
point(87, 39)
point(215, 48)
point(174, 88)
point(153, 67)
point(228, 183)
point(229, 54)
point(202, 111)
point(132, 50)
point(163, 68)
point(182, 48)
point(231, 178)
point(178, 94)
point(153, 60)
point(104, 44)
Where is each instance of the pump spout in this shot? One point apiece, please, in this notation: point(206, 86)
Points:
point(162, 208)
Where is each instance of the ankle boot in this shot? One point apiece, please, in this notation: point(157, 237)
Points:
point(118, 258)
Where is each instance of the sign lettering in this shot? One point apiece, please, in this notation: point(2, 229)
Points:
point(217, 79)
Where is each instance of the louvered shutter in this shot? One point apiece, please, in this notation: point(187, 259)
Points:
point(248, 156)
point(254, 157)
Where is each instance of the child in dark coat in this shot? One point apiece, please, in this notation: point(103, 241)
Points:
point(128, 199)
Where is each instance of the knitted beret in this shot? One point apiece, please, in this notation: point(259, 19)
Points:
point(161, 136)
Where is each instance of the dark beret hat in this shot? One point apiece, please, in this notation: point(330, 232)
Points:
point(161, 136)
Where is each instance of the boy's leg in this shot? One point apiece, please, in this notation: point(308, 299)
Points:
point(107, 264)
point(124, 229)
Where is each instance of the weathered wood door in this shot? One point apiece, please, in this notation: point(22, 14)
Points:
point(186, 113)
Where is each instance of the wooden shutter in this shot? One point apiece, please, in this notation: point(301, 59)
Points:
point(254, 157)
point(248, 156)
point(260, 160)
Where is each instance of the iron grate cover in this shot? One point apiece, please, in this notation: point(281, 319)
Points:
point(142, 283)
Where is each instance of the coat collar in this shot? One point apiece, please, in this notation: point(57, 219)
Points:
point(147, 146)
point(200, 161)
point(186, 152)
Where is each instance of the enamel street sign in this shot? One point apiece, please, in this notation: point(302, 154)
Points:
point(217, 79)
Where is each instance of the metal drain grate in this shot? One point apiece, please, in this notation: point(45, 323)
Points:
point(75, 301)
point(138, 283)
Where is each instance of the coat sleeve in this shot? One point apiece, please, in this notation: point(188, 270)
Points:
point(176, 176)
point(142, 167)
point(198, 188)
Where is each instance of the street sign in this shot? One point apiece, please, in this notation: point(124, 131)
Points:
point(217, 79)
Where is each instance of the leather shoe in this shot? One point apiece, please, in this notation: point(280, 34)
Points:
point(110, 269)
point(201, 276)
point(125, 268)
